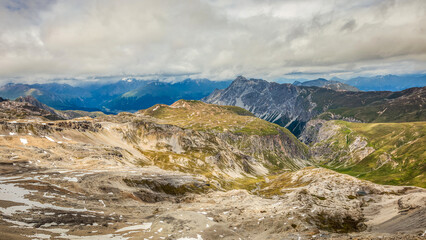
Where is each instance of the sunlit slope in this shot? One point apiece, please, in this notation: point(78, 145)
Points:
point(386, 153)
point(198, 115)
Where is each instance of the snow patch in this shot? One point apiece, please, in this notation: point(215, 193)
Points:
point(39, 236)
point(102, 203)
point(71, 179)
point(94, 237)
point(144, 226)
point(10, 190)
point(190, 238)
point(50, 139)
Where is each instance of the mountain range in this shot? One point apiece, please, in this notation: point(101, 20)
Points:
point(366, 150)
point(329, 84)
point(197, 169)
point(125, 95)
point(386, 82)
point(367, 83)
point(375, 135)
point(163, 93)
point(130, 94)
point(293, 106)
point(312, 110)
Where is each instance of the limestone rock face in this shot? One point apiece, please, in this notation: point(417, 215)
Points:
point(277, 103)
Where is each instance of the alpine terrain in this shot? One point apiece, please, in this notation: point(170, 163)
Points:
point(192, 170)
point(132, 120)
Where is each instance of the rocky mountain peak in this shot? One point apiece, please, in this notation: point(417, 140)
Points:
point(28, 99)
point(293, 106)
point(241, 79)
point(33, 101)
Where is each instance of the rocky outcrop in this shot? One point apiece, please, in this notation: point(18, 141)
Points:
point(21, 109)
point(325, 140)
point(230, 152)
point(43, 128)
point(33, 101)
point(29, 107)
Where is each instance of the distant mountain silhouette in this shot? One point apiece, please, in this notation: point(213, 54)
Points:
point(125, 95)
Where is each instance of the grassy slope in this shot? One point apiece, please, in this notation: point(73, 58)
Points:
point(202, 116)
point(199, 116)
point(405, 142)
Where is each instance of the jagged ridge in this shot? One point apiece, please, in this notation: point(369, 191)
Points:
point(292, 106)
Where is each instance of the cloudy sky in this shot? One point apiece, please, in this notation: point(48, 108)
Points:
point(216, 39)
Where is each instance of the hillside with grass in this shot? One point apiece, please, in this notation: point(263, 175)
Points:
point(198, 115)
point(385, 153)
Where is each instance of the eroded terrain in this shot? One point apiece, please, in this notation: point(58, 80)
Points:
point(155, 204)
point(134, 176)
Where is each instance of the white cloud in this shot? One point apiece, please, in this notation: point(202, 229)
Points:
point(217, 39)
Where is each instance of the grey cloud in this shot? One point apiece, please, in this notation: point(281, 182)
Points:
point(349, 25)
point(215, 39)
